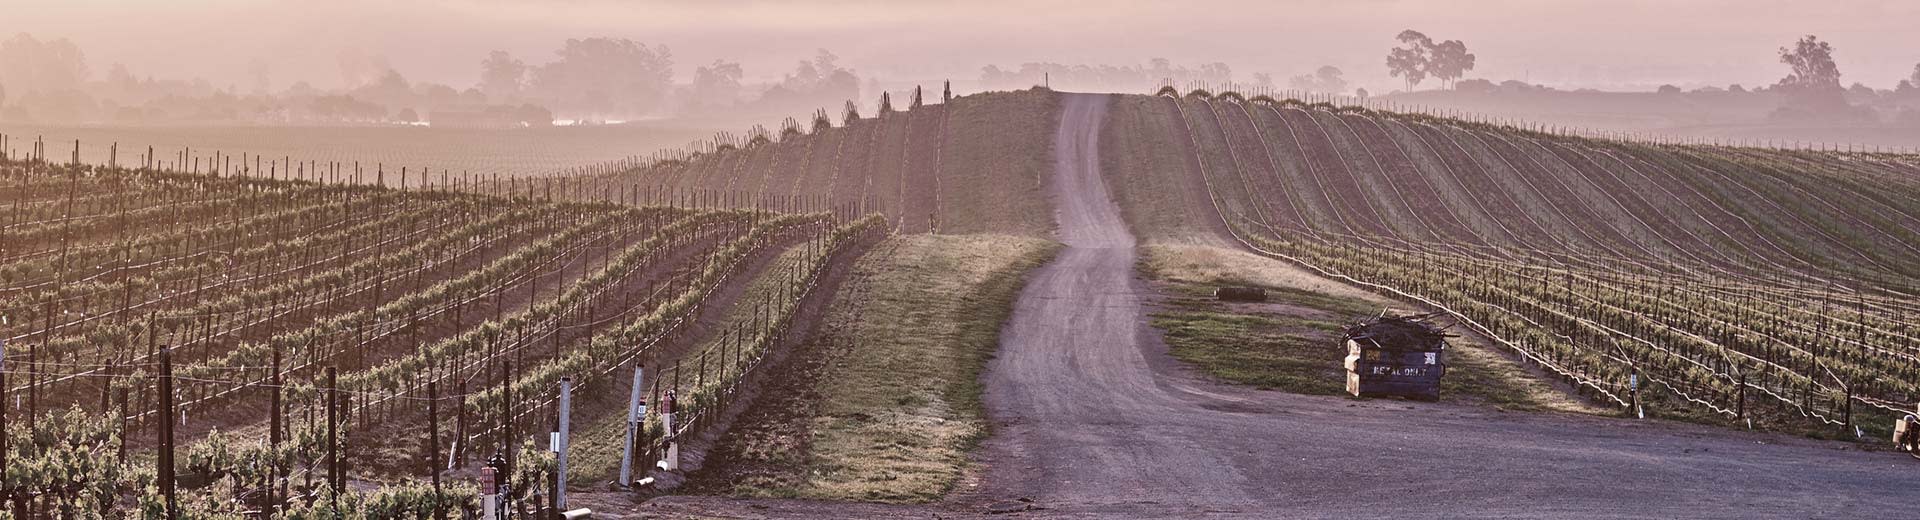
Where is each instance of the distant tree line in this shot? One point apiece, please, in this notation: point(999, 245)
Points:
point(1118, 78)
point(1811, 90)
point(590, 79)
point(815, 83)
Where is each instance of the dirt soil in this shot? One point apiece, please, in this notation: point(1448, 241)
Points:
point(1094, 420)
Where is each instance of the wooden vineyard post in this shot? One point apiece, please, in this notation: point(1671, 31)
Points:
point(506, 414)
point(273, 433)
point(5, 488)
point(457, 457)
point(433, 433)
point(562, 430)
point(333, 431)
point(33, 362)
point(1740, 408)
point(646, 449)
point(165, 463)
point(1846, 413)
point(126, 425)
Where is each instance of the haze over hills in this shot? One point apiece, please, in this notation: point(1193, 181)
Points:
point(840, 259)
point(1337, 187)
point(333, 75)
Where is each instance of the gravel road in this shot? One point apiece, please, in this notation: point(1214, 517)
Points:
point(1093, 419)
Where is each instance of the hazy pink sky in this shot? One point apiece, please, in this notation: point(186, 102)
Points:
point(1629, 44)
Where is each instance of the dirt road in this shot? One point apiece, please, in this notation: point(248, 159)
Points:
point(1094, 419)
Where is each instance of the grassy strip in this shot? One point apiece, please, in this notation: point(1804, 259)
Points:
point(1292, 343)
point(1269, 346)
point(888, 403)
point(903, 401)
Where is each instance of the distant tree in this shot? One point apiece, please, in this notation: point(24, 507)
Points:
point(1812, 88)
point(605, 76)
point(1906, 87)
point(1668, 89)
point(717, 84)
point(886, 103)
point(1411, 62)
point(473, 96)
point(1326, 79)
point(345, 108)
point(1861, 90)
point(1915, 78)
point(1475, 85)
point(534, 115)
point(1160, 68)
point(407, 115)
point(1448, 61)
point(992, 74)
point(1361, 93)
point(391, 91)
point(814, 82)
point(1736, 88)
point(1262, 81)
point(1215, 73)
point(502, 76)
point(1812, 63)
point(28, 65)
point(946, 92)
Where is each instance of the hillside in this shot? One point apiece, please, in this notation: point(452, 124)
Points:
point(1717, 274)
point(973, 164)
point(1734, 286)
point(1584, 301)
point(1725, 279)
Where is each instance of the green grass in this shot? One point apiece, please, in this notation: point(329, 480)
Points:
point(1292, 343)
point(1271, 349)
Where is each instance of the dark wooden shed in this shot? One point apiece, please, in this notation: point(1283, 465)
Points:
point(1396, 355)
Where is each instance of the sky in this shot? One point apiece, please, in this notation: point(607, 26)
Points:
point(1606, 44)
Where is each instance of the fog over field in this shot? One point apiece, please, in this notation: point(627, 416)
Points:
point(1034, 259)
point(731, 64)
point(1632, 44)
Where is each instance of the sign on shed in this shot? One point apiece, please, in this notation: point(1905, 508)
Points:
point(1396, 356)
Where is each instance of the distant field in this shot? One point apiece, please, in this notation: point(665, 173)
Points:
point(1740, 119)
point(518, 151)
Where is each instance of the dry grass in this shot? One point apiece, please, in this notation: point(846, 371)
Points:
point(893, 404)
point(1292, 344)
